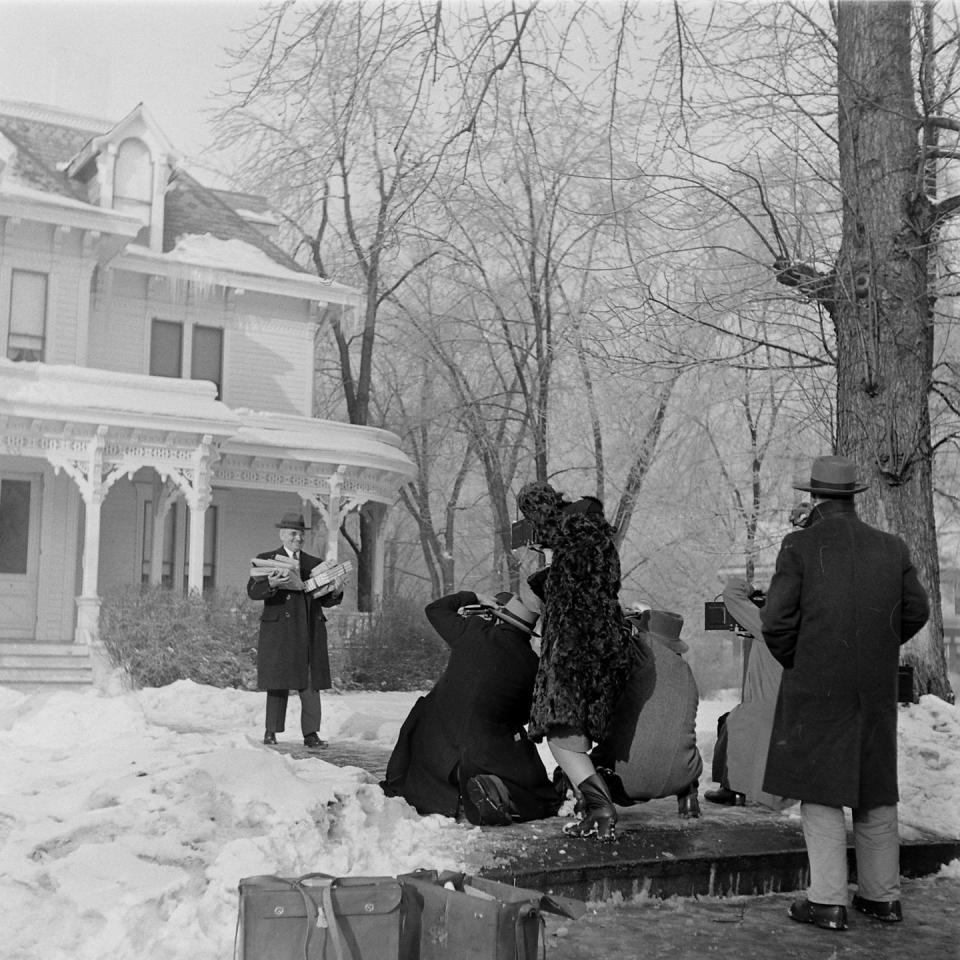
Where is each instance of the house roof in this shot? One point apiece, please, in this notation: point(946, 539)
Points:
point(47, 139)
point(43, 145)
point(192, 208)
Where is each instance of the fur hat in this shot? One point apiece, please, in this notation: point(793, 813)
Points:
point(513, 611)
point(832, 477)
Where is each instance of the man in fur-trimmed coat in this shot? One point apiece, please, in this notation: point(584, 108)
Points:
point(465, 740)
point(843, 599)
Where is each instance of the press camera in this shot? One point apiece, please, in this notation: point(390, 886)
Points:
point(522, 534)
point(716, 616)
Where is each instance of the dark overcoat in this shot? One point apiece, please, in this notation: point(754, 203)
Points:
point(843, 599)
point(472, 721)
point(292, 644)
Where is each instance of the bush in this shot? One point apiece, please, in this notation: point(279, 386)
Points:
point(400, 651)
point(158, 636)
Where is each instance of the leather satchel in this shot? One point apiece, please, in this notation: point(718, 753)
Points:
point(454, 916)
point(319, 917)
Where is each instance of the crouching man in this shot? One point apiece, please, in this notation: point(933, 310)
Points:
point(464, 743)
point(651, 751)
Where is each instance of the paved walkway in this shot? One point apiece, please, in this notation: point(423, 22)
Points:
point(757, 928)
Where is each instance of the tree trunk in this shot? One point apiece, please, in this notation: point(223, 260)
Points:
point(881, 311)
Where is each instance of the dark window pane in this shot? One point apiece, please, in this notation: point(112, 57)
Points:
point(207, 359)
point(14, 525)
point(166, 349)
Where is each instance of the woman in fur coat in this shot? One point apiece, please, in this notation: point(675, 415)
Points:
point(584, 658)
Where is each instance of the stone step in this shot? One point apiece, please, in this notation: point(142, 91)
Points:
point(32, 665)
point(12, 676)
point(18, 648)
point(60, 661)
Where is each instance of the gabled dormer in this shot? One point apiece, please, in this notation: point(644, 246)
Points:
point(127, 169)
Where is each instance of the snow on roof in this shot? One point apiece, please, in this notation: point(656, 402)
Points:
point(229, 262)
point(86, 395)
point(229, 255)
point(313, 440)
point(71, 394)
point(17, 190)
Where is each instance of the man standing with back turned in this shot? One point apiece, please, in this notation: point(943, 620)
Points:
point(843, 599)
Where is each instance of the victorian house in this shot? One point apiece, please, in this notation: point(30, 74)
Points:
point(156, 385)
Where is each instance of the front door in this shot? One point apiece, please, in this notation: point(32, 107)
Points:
point(19, 554)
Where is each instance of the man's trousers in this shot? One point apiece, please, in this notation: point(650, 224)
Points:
point(876, 841)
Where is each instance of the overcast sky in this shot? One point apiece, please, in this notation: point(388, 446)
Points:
point(102, 58)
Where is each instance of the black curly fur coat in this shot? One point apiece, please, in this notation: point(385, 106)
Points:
point(584, 658)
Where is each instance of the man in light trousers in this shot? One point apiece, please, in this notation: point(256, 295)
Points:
point(843, 599)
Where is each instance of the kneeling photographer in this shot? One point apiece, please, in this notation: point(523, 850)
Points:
point(463, 746)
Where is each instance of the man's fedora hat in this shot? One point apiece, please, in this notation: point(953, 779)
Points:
point(512, 610)
point(664, 626)
point(292, 521)
point(833, 477)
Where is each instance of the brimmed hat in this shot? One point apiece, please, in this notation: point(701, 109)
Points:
point(833, 477)
point(511, 609)
point(292, 521)
point(664, 626)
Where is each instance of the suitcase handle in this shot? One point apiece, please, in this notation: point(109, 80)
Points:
point(521, 946)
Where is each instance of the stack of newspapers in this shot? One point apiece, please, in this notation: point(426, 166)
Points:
point(325, 575)
point(281, 563)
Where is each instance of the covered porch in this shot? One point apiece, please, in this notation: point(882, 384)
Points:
point(173, 439)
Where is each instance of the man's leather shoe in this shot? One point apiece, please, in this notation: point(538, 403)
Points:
point(727, 797)
point(887, 910)
point(269, 739)
point(312, 742)
point(828, 916)
point(491, 798)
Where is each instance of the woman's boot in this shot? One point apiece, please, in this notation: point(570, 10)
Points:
point(599, 817)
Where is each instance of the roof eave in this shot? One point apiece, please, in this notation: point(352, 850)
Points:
point(308, 288)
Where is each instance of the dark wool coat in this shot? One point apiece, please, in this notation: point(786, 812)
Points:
point(472, 721)
point(292, 644)
point(584, 657)
point(843, 599)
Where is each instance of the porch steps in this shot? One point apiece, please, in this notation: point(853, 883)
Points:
point(32, 665)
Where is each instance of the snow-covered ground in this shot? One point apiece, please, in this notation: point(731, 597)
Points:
point(126, 820)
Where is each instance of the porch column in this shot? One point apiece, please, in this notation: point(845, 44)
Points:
point(198, 511)
point(194, 482)
point(86, 468)
point(164, 496)
point(331, 510)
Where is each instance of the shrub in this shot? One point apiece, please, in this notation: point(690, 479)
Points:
point(158, 636)
point(400, 650)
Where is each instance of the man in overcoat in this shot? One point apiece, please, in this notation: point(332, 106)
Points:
point(465, 742)
point(843, 599)
point(292, 643)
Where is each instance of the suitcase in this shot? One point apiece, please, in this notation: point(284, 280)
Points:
point(319, 917)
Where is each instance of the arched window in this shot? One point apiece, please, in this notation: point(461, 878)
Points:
point(133, 179)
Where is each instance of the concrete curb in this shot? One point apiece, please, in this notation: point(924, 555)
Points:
point(730, 862)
